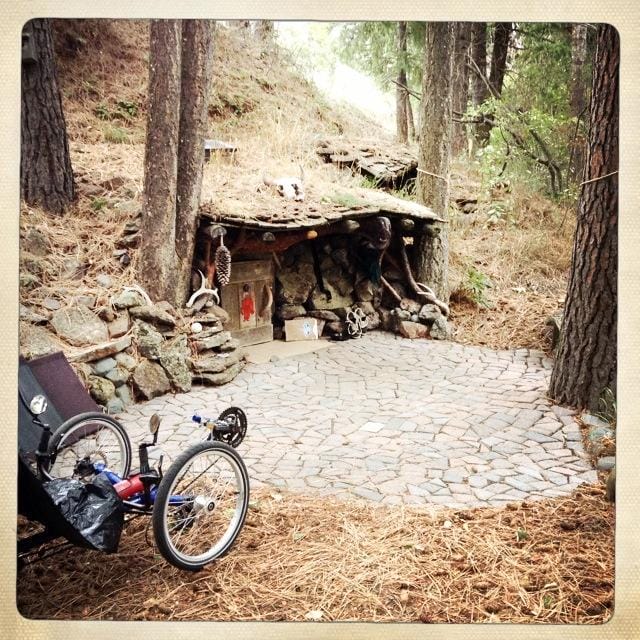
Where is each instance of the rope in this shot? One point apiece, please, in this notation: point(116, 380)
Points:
point(435, 175)
point(607, 175)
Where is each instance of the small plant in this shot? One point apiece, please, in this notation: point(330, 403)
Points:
point(99, 203)
point(476, 285)
point(498, 212)
point(102, 111)
point(115, 134)
point(608, 408)
point(343, 200)
point(521, 535)
point(128, 108)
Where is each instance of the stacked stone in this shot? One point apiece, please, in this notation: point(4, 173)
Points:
point(135, 350)
point(298, 294)
point(219, 359)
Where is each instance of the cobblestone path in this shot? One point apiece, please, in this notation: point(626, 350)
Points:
point(394, 421)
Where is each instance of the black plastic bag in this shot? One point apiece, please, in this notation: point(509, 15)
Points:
point(93, 510)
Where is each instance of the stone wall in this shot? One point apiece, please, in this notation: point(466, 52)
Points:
point(347, 285)
point(135, 350)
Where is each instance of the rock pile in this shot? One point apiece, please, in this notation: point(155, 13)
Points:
point(133, 349)
point(345, 286)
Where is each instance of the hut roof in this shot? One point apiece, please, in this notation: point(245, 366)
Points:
point(324, 205)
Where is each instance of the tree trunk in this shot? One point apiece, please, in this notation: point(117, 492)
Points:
point(431, 250)
point(479, 89)
point(501, 37)
point(410, 121)
point(157, 255)
point(495, 82)
point(46, 176)
point(460, 85)
point(586, 360)
point(402, 130)
point(479, 79)
point(196, 76)
point(578, 95)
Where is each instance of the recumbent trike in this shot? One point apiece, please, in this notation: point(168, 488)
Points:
point(78, 485)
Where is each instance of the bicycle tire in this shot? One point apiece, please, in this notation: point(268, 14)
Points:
point(85, 425)
point(194, 513)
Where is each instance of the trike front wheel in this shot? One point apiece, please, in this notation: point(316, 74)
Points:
point(201, 505)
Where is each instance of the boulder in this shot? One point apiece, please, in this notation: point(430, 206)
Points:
point(128, 299)
point(124, 393)
point(150, 380)
point(341, 257)
point(364, 290)
point(606, 463)
point(28, 314)
point(601, 441)
point(91, 354)
point(340, 281)
point(167, 307)
point(219, 313)
point(51, 304)
point(387, 319)
point(127, 361)
point(412, 330)
point(410, 305)
point(104, 365)
point(319, 300)
point(35, 242)
point(115, 406)
point(36, 341)
point(72, 268)
point(440, 329)
point(375, 322)
point(324, 314)
point(118, 375)
point(106, 313)
point(101, 389)
point(79, 326)
point(215, 363)
point(152, 313)
point(28, 280)
point(213, 341)
point(230, 345)
point(217, 379)
point(429, 313)
point(119, 325)
point(104, 280)
point(84, 301)
point(149, 340)
point(174, 357)
point(209, 331)
point(296, 283)
point(290, 311)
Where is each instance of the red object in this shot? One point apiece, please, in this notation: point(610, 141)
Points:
point(247, 307)
point(127, 488)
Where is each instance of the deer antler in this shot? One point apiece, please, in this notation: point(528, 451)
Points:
point(202, 291)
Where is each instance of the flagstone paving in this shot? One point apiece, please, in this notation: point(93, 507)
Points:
point(393, 421)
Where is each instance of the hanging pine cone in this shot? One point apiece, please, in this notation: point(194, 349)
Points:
point(223, 265)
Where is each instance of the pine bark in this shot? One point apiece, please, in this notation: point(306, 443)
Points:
point(402, 97)
point(157, 254)
point(501, 37)
point(196, 77)
point(460, 85)
point(46, 175)
point(431, 249)
point(479, 89)
point(578, 96)
point(586, 361)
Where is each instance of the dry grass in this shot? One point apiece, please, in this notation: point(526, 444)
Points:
point(542, 562)
point(526, 257)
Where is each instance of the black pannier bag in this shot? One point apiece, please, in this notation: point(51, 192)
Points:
point(93, 510)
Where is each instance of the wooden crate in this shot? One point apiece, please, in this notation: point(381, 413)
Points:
point(248, 299)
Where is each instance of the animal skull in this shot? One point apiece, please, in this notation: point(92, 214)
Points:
point(289, 188)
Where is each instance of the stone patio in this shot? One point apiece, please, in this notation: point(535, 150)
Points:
point(393, 421)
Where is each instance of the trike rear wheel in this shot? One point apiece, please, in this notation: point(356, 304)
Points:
point(201, 505)
point(84, 440)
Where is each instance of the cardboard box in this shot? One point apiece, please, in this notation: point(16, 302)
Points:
point(303, 329)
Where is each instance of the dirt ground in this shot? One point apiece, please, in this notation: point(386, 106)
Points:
point(303, 558)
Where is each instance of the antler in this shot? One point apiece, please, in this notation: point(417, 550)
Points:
point(140, 290)
point(202, 291)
